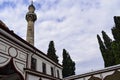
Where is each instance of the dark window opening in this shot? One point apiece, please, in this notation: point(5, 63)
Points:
point(58, 75)
point(8, 72)
point(44, 68)
point(40, 79)
point(52, 71)
point(33, 63)
point(8, 69)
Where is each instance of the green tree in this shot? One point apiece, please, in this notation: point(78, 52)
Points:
point(116, 42)
point(110, 49)
point(102, 47)
point(116, 51)
point(68, 65)
point(116, 29)
point(109, 59)
point(51, 53)
point(73, 68)
point(107, 40)
point(103, 50)
point(106, 50)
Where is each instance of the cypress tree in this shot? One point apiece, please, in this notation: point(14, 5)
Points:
point(110, 57)
point(106, 50)
point(107, 40)
point(68, 65)
point(103, 50)
point(51, 53)
point(116, 42)
point(65, 70)
point(73, 68)
point(116, 29)
point(116, 34)
point(101, 45)
point(116, 51)
point(111, 49)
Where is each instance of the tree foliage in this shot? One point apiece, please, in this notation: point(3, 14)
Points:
point(116, 29)
point(102, 47)
point(51, 53)
point(68, 65)
point(107, 40)
point(109, 48)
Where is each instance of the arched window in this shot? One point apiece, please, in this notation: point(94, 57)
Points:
point(8, 72)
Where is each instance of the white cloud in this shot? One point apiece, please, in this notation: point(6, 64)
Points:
point(73, 25)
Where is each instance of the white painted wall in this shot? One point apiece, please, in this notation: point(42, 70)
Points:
point(9, 50)
point(32, 77)
point(22, 56)
point(48, 66)
point(39, 64)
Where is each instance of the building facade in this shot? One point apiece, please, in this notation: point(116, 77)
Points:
point(110, 73)
point(19, 57)
point(20, 60)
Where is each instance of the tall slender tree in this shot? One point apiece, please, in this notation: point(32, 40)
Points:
point(106, 50)
point(103, 50)
point(65, 70)
point(68, 65)
point(73, 68)
point(110, 49)
point(116, 51)
point(116, 29)
point(116, 42)
point(116, 34)
point(51, 53)
point(107, 40)
point(102, 47)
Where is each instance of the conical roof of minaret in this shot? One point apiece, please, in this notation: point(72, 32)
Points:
point(31, 9)
point(31, 6)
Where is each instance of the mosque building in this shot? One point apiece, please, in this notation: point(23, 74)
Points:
point(20, 60)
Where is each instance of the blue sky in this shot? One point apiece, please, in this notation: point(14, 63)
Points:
point(71, 24)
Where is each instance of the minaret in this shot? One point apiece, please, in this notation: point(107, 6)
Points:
point(31, 18)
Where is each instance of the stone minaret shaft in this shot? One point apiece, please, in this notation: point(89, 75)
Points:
point(31, 18)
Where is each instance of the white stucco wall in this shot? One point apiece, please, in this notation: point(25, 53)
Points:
point(48, 66)
point(9, 50)
point(21, 54)
point(32, 77)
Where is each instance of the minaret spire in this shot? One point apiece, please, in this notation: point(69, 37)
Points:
point(31, 18)
point(31, 1)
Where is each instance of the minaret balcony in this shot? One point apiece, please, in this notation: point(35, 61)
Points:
point(31, 17)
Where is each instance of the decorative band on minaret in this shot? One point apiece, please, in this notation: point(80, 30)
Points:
point(31, 18)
